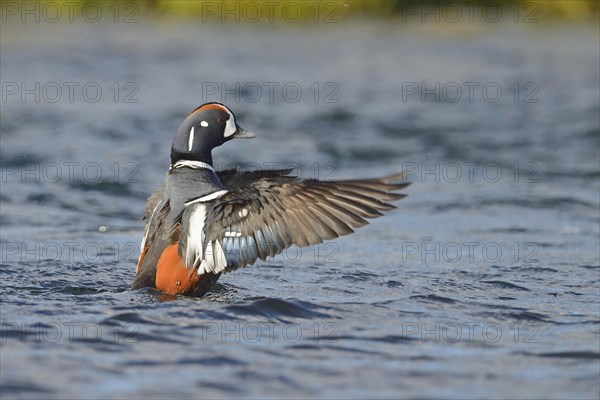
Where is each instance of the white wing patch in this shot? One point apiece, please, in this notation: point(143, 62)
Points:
point(214, 259)
point(209, 259)
point(195, 236)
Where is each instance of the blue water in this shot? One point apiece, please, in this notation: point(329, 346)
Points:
point(484, 283)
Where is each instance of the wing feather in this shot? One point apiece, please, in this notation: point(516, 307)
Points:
point(267, 213)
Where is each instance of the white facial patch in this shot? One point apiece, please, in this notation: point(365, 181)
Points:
point(191, 140)
point(243, 212)
point(204, 124)
point(230, 128)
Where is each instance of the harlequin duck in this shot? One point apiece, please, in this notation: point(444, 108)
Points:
point(203, 222)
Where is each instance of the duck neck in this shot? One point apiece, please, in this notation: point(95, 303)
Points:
point(203, 156)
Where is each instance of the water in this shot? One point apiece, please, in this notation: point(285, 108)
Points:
point(482, 284)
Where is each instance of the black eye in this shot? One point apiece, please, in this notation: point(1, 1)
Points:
point(221, 120)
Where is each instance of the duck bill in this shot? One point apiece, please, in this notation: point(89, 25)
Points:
point(241, 133)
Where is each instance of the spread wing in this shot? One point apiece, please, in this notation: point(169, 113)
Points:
point(157, 208)
point(264, 217)
point(235, 178)
point(230, 178)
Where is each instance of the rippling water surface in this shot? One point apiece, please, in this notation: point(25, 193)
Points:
point(484, 283)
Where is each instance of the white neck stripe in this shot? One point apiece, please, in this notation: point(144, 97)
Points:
point(192, 164)
point(191, 140)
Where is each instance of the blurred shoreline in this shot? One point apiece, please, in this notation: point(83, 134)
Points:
point(303, 12)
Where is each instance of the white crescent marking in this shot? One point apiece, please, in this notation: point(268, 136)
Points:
point(192, 164)
point(208, 197)
point(230, 128)
point(191, 140)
